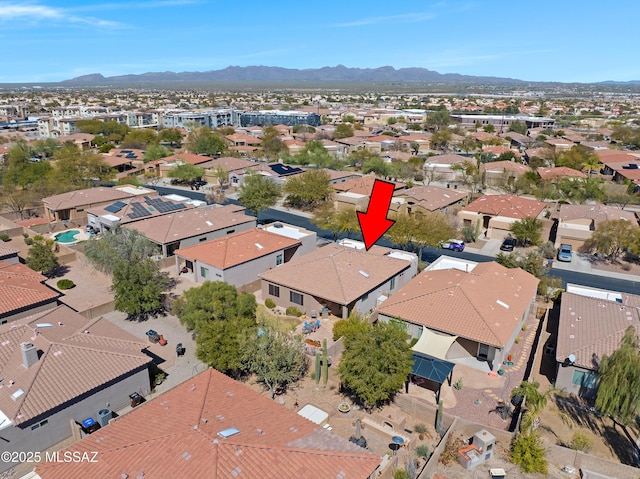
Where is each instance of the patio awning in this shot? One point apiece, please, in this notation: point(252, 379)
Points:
point(433, 344)
point(431, 368)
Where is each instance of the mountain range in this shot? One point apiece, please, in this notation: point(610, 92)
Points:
point(338, 73)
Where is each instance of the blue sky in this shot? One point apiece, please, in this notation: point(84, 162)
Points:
point(561, 40)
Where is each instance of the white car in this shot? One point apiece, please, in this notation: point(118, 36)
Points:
point(453, 244)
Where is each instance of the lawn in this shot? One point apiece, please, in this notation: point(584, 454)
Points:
point(282, 322)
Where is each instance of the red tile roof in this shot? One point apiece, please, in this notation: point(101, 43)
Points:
point(73, 361)
point(187, 158)
point(178, 431)
point(431, 198)
point(559, 172)
point(237, 248)
point(504, 165)
point(598, 213)
point(21, 287)
point(484, 305)
point(362, 185)
point(509, 206)
point(85, 197)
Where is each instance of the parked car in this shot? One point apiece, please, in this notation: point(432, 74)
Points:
point(199, 183)
point(453, 244)
point(508, 244)
point(565, 253)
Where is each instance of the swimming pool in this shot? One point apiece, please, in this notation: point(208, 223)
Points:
point(68, 236)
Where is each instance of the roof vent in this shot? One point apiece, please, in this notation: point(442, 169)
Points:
point(29, 354)
point(236, 472)
point(259, 246)
point(363, 273)
point(230, 431)
point(502, 303)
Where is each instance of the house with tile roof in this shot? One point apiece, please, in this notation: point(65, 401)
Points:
point(556, 173)
point(212, 426)
point(479, 312)
point(191, 226)
point(440, 166)
point(576, 223)
point(238, 258)
point(9, 254)
point(58, 369)
point(588, 329)
point(22, 291)
point(497, 173)
point(496, 213)
point(72, 205)
point(427, 199)
point(339, 278)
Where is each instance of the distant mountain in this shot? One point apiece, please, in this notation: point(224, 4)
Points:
point(613, 82)
point(338, 73)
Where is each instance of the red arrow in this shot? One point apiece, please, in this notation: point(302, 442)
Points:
point(374, 222)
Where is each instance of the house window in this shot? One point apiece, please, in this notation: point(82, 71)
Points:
point(296, 298)
point(392, 283)
point(203, 239)
point(279, 260)
point(365, 297)
point(584, 379)
point(204, 272)
point(274, 290)
point(39, 425)
point(231, 231)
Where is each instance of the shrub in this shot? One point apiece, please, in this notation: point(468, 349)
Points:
point(527, 451)
point(269, 303)
point(293, 311)
point(422, 451)
point(420, 428)
point(581, 442)
point(458, 384)
point(400, 474)
point(5, 237)
point(25, 235)
point(518, 339)
point(625, 266)
point(28, 241)
point(65, 284)
point(547, 250)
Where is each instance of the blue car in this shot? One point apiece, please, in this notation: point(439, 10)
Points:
point(453, 244)
point(565, 253)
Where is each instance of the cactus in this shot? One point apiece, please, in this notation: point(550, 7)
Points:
point(317, 367)
point(439, 425)
point(325, 362)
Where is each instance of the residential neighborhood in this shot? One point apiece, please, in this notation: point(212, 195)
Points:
point(185, 284)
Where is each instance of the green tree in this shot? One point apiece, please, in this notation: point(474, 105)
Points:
point(489, 128)
point(528, 230)
point(173, 136)
point(18, 200)
point(619, 380)
point(375, 363)
point(259, 193)
point(186, 172)
point(358, 157)
point(440, 139)
point(377, 166)
point(45, 148)
point(338, 222)
point(40, 256)
point(534, 404)
point(308, 190)
point(140, 138)
point(519, 127)
point(438, 120)
point(20, 171)
point(343, 130)
point(76, 169)
point(430, 229)
point(276, 358)
point(118, 245)
point(154, 152)
point(614, 237)
point(204, 141)
point(220, 344)
point(271, 146)
point(221, 175)
point(213, 301)
point(138, 286)
point(575, 158)
point(314, 153)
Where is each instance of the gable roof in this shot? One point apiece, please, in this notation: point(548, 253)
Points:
point(483, 305)
point(362, 185)
point(335, 272)
point(21, 287)
point(590, 328)
point(89, 196)
point(139, 208)
point(448, 159)
point(238, 248)
point(504, 165)
point(229, 163)
point(509, 206)
point(77, 356)
point(432, 198)
point(187, 158)
point(179, 429)
point(188, 223)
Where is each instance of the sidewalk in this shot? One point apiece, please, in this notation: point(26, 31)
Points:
point(579, 263)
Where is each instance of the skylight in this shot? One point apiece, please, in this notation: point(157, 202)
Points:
point(231, 431)
point(259, 246)
point(209, 223)
point(502, 303)
point(17, 394)
point(363, 273)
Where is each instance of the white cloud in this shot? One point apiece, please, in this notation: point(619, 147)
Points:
point(134, 5)
point(390, 19)
point(37, 13)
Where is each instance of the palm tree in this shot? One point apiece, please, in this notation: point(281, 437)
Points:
point(534, 403)
point(591, 163)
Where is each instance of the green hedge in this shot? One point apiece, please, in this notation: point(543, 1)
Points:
point(65, 284)
point(293, 311)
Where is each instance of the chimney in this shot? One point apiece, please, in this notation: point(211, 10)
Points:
point(29, 354)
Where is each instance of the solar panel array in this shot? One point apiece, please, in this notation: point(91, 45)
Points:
point(115, 207)
point(138, 211)
point(163, 206)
